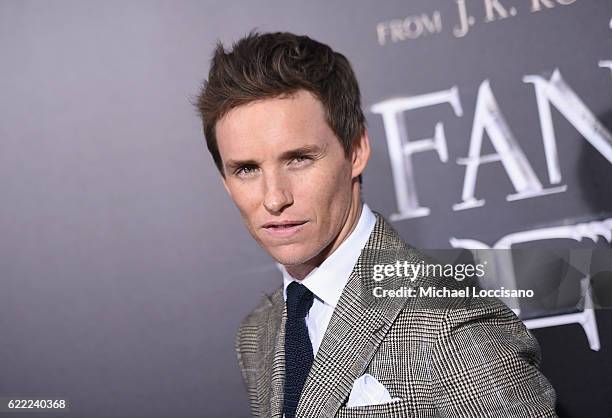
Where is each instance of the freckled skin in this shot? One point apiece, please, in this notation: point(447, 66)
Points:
point(318, 185)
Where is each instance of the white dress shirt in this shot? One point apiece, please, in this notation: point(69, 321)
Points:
point(327, 281)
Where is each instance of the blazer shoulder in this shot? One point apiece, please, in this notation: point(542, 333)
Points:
point(265, 310)
point(385, 237)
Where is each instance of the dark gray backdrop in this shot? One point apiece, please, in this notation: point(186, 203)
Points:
point(125, 268)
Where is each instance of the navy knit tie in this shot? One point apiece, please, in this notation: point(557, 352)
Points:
point(298, 349)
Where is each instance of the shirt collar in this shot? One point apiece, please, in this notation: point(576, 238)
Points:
point(327, 281)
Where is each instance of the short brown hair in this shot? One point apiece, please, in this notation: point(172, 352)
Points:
point(269, 65)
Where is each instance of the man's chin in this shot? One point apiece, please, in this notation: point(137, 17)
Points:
point(291, 258)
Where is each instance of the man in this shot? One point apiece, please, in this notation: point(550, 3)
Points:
point(283, 122)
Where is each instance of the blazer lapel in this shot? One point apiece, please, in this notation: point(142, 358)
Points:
point(270, 360)
point(278, 366)
point(355, 330)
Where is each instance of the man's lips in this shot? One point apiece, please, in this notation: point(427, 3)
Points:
point(283, 224)
point(283, 229)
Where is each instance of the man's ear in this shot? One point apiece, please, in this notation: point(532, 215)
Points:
point(360, 154)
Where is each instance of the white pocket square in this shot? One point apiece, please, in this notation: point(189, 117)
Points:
point(368, 391)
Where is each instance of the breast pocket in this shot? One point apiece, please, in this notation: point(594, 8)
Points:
point(394, 409)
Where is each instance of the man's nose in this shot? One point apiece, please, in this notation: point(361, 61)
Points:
point(278, 194)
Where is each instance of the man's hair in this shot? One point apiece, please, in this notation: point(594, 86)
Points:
point(269, 65)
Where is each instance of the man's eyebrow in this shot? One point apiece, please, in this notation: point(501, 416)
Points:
point(306, 149)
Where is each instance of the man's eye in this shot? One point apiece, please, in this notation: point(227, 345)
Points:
point(300, 159)
point(245, 171)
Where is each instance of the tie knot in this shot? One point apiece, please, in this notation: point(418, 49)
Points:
point(299, 300)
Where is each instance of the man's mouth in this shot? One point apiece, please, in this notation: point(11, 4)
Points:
point(283, 229)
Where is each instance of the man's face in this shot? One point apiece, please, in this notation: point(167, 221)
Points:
point(287, 173)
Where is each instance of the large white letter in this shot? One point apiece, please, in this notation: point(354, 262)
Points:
point(401, 148)
point(488, 117)
point(557, 92)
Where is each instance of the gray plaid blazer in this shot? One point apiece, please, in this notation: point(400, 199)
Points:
point(476, 361)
